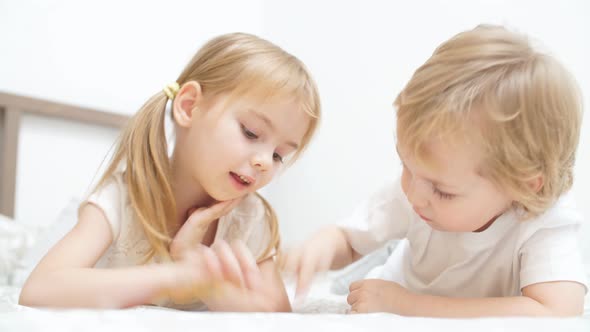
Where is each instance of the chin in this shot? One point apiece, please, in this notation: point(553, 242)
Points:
point(224, 196)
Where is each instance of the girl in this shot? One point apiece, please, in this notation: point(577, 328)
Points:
point(487, 134)
point(156, 227)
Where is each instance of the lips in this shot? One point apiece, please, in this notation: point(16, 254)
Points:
point(243, 179)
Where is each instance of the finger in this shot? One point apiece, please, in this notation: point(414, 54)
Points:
point(229, 264)
point(212, 263)
point(230, 206)
point(355, 285)
point(248, 266)
point(214, 212)
point(352, 298)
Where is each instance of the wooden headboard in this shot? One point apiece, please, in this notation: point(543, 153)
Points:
point(12, 107)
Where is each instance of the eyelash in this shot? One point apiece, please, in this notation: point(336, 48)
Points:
point(249, 134)
point(442, 195)
point(252, 136)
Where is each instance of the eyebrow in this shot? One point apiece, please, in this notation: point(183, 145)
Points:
point(434, 183)
point(269, 123)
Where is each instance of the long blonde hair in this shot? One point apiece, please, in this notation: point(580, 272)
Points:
point(491, 86)
point(237, 64)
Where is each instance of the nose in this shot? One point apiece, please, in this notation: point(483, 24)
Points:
point(262, 161)
point(416, 193)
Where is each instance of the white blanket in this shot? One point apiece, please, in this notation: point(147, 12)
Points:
point(315, 314)
point(322, 310)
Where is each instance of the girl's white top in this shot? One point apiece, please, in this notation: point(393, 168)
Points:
point(245, 222)
point(508, 256)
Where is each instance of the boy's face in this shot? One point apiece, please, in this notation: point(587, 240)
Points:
point(452, 196)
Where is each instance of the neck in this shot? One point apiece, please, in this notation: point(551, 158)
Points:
point(188, 194)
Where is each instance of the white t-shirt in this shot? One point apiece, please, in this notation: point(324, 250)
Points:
point(508, 256)
point(246, 222)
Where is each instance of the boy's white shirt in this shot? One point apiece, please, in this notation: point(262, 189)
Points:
point(246, 222)
point(508, 256)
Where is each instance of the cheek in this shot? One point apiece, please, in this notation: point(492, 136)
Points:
point(405, 181)
point(267, 178)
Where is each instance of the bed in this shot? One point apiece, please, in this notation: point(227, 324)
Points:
point(23, 243)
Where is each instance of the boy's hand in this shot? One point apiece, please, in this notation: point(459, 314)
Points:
point(191, 233)
point(375, 295)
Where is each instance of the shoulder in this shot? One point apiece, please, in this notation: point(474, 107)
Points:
point(562, 214)
point(111, 199)
point(251, 222)
point(251, 208)
point(560, 223)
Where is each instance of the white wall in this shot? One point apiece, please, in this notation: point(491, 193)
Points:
point(361, 53)
point(110, 55)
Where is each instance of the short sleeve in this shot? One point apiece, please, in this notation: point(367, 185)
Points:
point(109, 198)
point(552, 254)
point(384, 216)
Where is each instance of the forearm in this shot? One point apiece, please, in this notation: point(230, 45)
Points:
point(438, 306)
point(343, 252)
point(96, 288)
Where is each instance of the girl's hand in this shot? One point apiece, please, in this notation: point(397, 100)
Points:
point(375, 295)
point(193, 277)
point(244, 289)
point(191, 233)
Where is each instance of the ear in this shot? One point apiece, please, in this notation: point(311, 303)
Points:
point(185, 103)
point(536, 183)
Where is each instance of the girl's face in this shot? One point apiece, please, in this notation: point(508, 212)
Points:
point(236, 147)
point(453, 196)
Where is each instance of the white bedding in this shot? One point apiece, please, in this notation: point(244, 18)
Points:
point(18, 318)
point(322, 310)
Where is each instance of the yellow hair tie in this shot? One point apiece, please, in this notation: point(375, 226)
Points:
point(171, 90)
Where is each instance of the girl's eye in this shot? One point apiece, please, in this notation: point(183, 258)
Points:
point(442, 195)
point(249, 134)
point(277, 157)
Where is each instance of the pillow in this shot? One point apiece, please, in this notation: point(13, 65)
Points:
point(16, 238)
point(45, 239)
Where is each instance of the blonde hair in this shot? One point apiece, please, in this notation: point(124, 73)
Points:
point(489, 85)
point(237, 64)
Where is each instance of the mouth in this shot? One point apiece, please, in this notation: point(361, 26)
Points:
point(242, 179)
point(421, 216)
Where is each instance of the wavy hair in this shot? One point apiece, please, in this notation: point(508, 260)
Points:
point(237, 64)
point(491, 86)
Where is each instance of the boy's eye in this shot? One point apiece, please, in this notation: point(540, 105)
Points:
point(277, 157)
point(442, 195)
point(249, 134)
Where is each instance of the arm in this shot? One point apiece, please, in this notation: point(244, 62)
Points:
point(561, 298)
point(276, 288)
point(344, 254)
point(65, 277)
point(328, 249)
